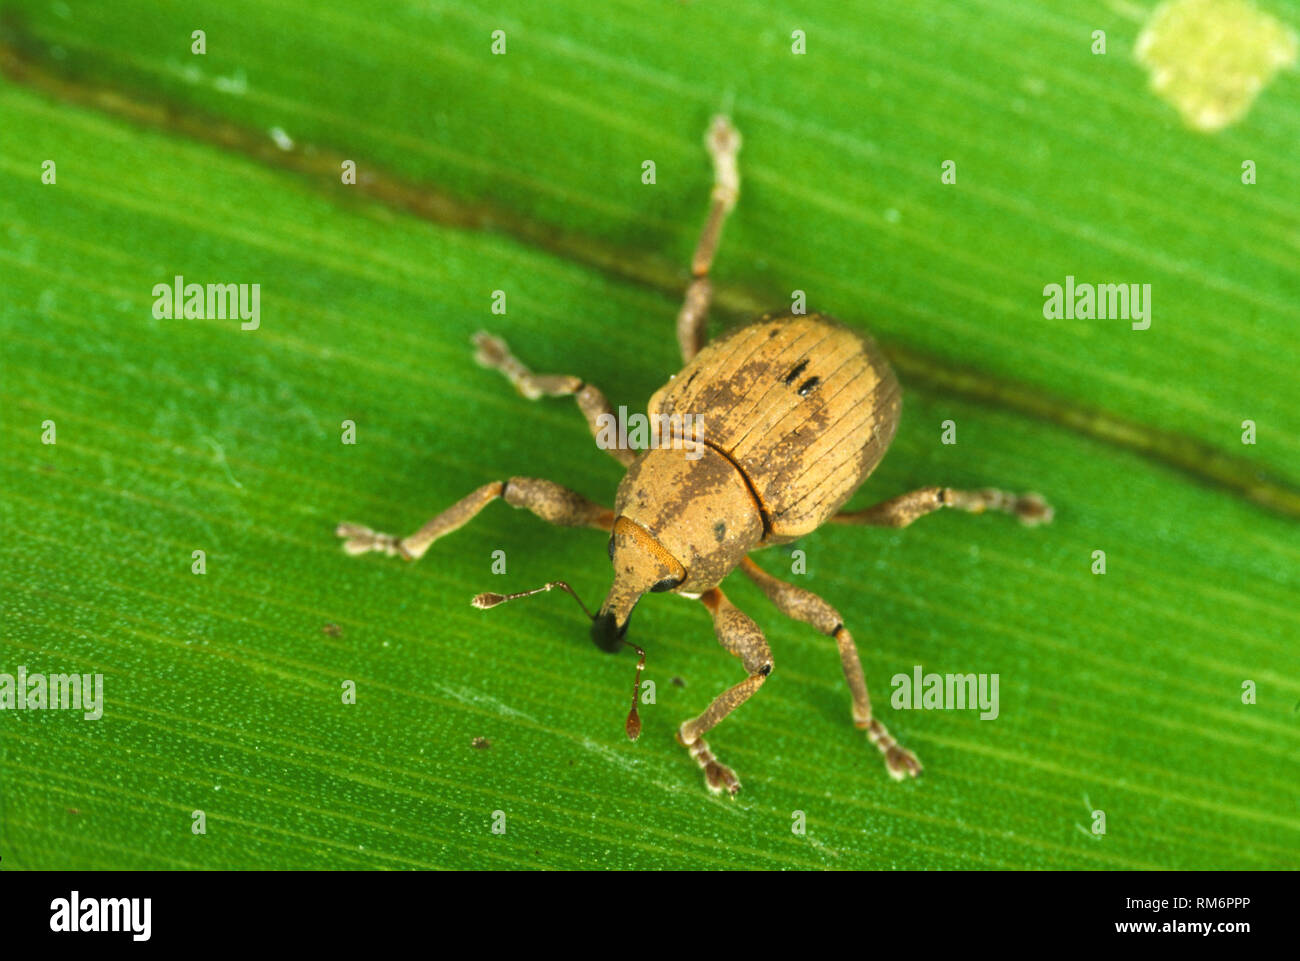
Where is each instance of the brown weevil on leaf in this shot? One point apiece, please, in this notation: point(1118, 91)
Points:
point(786, 417)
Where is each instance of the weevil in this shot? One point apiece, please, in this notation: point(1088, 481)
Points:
point(790, 414)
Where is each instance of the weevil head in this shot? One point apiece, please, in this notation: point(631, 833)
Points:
point(641, 564)
point(684, 520)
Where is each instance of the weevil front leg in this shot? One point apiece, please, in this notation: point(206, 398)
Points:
point(723, 142)
point(900, 511)
point(546, 499)
point(804, 605)
point(492, 352)
point(741, 637)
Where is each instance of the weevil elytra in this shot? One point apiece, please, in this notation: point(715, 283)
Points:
point(791, 414)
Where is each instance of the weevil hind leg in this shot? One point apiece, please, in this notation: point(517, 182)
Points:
point(548, 500)
point(740, 636)
point(723, 142)
point(804, 605)
point(1030, 509)
point(492, 352)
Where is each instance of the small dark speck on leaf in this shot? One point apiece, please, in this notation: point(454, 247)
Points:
point(678, 682)
point(481, 743)
point(332, 629)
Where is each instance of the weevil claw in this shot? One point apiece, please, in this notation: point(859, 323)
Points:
point(1032, 510)
point(489, 351)
point(722, 137)
point(899, 761)
point(902, 763)
point(719, 778)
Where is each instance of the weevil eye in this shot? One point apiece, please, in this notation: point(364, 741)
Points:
point(667, 584)
point(611, 550)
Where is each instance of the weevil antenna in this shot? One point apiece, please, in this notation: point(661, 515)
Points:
point(633, 726)
point(487, 600)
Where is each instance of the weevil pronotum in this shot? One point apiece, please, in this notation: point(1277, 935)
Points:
point(792, 413)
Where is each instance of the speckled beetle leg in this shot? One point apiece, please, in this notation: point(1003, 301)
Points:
point(492, 352)
point(804, 605)
point(723, 142)
point(546, 499)
point(900, 511)
point(741, 637)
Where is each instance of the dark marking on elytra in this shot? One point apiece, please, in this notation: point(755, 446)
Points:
point(720, 531)
point(798, 369)
point(806, 387)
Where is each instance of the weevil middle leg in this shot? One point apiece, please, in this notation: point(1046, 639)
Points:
point(804, 605)
point(738, 633)
point(493, 353)
point(723, 142)
point(547, 499)
point(900, 511)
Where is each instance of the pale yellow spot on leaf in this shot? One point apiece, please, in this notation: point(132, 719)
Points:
point(1211, 58)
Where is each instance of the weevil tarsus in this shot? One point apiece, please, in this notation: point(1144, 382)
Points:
point(717, 776)
point(492, 352)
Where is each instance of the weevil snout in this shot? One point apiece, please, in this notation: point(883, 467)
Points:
point(641, 564)
point(606, 632)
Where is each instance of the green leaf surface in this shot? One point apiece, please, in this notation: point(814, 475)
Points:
point(1120, 693)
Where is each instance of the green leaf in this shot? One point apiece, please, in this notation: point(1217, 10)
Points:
point(1120, 693)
